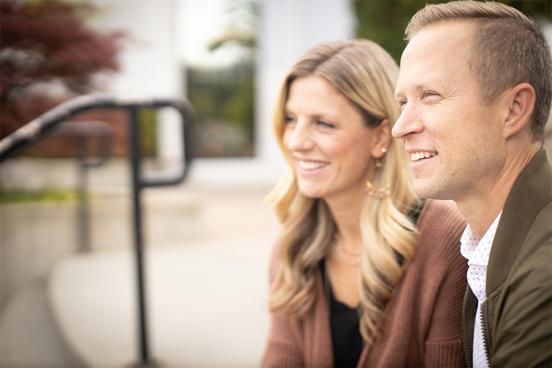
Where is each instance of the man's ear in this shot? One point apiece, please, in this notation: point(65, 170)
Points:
point(382, 138)
point(521, 104)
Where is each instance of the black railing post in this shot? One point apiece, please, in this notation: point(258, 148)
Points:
point(82, 194)
point(83, 133)
point(135, 161)
point(39, 127)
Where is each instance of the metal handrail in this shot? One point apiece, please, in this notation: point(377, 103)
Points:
point(38, 127)
point(41, 126)
point(81, 131)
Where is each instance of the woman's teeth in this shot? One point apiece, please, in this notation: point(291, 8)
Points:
point(310, 165)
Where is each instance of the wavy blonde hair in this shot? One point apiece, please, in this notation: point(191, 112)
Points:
point(365, 73)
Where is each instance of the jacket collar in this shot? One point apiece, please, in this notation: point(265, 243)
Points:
point(529, 195)
point(470, 308)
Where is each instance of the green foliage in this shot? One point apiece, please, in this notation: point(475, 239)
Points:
point(239, 107)
point(242, 17)
point(224, 94)
point(47, 195)
point(148, 131)
point(537, 9)
point(384, 21)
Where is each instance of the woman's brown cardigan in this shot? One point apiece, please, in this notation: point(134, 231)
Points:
point(423, 324)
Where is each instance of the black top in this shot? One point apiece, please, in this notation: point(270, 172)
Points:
point(347, 342)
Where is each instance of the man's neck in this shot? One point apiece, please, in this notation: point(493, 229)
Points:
point(480, 220)
point(481, 206)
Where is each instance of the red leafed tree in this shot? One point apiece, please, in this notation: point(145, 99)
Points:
point(46, 46)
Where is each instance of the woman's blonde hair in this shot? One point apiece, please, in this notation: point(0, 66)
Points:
point(365, 73)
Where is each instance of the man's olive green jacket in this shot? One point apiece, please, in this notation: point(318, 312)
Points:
point(517, 315)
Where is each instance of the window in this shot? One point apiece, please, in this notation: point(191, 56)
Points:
point(218, 48)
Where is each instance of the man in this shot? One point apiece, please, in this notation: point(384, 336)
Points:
point(475, 92)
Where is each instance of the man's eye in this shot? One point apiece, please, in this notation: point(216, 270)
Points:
point(430, 95)
point(325, 123)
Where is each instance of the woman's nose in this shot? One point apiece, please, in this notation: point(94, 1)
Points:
point(297, 137)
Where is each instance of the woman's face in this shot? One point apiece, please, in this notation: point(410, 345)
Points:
point(328, 142)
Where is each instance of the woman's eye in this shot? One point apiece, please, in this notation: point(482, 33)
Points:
point(402, 102)
point(325, 123)
point(289, 119)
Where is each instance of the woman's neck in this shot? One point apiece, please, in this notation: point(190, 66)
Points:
point(347, 219)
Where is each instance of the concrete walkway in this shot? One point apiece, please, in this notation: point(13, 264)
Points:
point(29, 333)
point(206, 293)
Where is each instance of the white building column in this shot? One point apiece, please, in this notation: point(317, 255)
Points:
point(149, 66)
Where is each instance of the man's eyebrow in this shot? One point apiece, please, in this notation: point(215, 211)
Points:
point(418, 87)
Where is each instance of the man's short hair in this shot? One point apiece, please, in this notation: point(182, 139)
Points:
point(508, 49)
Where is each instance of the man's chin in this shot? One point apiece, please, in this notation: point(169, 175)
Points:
point(425, 189)
point(431, 190)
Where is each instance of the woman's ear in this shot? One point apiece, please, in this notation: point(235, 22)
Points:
point(521, 104)
point(382, 138)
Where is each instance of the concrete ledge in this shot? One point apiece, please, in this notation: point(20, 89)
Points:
point(206, 305)
point(29, 336)
point(34, 236)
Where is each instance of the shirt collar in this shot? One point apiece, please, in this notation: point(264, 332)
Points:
point(469, 244)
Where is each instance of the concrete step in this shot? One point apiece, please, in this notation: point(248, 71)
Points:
point(29, 334)
point(206, 305)
point(207, 262)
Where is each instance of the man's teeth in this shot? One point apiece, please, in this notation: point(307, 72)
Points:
point(416, 156)
point(310, 165)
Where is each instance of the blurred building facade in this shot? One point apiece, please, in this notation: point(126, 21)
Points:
point(206, 244)
point(153, 65)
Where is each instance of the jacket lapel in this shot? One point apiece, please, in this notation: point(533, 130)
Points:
point(470, 308)
point(529, 194)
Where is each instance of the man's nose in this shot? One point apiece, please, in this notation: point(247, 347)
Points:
point(409, 122)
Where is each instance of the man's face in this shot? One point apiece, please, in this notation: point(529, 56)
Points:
point(453, 138)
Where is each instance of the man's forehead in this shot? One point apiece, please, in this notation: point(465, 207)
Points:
point(435, 54)
point(443, 36)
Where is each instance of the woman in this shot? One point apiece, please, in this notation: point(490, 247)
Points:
point(363, 274)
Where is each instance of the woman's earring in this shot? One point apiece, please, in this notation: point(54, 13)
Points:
point(378, 160)
point(376, 192)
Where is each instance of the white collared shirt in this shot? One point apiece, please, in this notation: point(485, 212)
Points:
point(477, 252)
